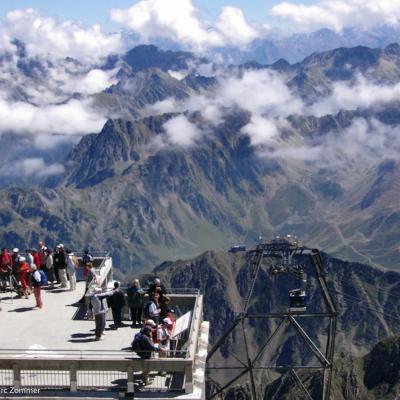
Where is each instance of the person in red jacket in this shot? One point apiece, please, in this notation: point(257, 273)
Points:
point(36, 258)
point(6, 264)
point(24, 272)
point(5, 260)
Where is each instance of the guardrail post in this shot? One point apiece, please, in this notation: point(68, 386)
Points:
point(189, 378)
point(73, 379)
point(130, 386)
point(16, 377)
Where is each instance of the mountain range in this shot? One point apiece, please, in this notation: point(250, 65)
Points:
point(123, 191)
point(294, 48)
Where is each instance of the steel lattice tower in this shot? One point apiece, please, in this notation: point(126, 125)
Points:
point(286, 255)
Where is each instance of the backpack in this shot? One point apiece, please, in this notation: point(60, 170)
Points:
point(43, 278)
point(146, 310)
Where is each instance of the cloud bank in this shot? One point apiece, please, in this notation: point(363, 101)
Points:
point(43, 35)
point(177, 20)
point(339, 14)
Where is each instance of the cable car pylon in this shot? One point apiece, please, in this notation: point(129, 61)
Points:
point(288, 258)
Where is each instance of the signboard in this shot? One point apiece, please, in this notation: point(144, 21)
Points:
point(181, 324)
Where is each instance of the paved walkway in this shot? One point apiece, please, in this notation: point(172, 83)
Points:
point(52, 327)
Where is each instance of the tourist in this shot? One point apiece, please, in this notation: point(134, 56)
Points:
point(36, 258)
point(152, 309)
point(24, 271)
point(117, 301)
point(99, 308)
point(15, 263)
point(49, 267)
point(165, 310)
point(153, 326)
point(5, 267)
point(86, 259)
point(72, 266)
point(60, 265)
point(157, 287)
point(42, 253)
point(29, 257)
point(135, 296)
point(144, 347)
point(37, 283)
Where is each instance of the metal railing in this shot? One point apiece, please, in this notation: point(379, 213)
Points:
point(60, 372)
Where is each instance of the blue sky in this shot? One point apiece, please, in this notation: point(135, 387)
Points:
point(97, 11)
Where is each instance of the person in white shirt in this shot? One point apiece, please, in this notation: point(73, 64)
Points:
point(164, 336)
point(72, 265)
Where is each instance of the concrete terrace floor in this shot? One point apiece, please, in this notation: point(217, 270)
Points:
point(53, 328)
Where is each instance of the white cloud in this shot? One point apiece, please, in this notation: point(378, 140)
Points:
point(261, 130)
point(91, 82)
point(259, 92)
point(180, 131)
point(365, 143)
point(176, 20)
point(233, 26)
point(351, 96)
point(45, 36)
point(72, 118)
point(35, 167)
point(338, 14)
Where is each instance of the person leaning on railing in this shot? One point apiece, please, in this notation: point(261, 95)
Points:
point(144, 347)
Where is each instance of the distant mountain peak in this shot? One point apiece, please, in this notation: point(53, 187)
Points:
point(148, 56)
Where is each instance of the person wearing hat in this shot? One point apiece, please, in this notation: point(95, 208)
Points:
point(153, 326)
point(36, 282)
point(164, 336)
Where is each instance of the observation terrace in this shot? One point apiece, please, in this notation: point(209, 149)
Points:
point(51, 353)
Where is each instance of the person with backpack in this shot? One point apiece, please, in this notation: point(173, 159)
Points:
point(72, 266)
point(135, 295)
point(37, 285)
point(144, 347)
